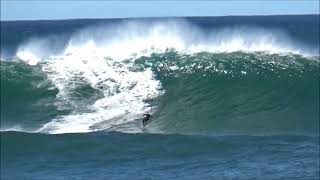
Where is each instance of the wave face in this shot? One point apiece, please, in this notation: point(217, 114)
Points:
point(193, 76)
point(204, 92)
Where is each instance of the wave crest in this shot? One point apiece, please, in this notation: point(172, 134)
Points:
point(138, 38)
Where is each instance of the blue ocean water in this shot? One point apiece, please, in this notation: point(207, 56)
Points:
point(231, 98)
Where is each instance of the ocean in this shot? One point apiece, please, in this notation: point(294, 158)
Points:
point(233, 97)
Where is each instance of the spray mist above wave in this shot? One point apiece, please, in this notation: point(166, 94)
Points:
point(36, 49)
point(138, 38)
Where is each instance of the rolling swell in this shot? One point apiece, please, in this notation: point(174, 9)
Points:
point(236, 92)
point(97, 155)
point(27, 97)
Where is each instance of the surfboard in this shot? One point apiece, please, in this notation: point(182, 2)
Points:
point(144, 127)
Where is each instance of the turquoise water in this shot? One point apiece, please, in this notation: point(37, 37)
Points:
point(203, 93)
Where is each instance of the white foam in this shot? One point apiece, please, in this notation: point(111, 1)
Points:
point(28, 57)
point(124, 91)
point(13, 128)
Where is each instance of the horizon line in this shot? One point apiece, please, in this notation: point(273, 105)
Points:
point(148, 17)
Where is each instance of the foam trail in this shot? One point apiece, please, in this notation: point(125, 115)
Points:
point(124, 91)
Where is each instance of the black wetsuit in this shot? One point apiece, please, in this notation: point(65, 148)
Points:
point(146, 119)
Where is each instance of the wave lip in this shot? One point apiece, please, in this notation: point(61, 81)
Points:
point(135, 37)
point(138, 38)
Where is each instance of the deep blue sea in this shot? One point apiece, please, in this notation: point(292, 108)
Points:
point(232, 97)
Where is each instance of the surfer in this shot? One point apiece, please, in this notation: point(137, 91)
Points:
point(146, 119)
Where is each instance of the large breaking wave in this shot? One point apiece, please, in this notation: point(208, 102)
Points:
point(234, 79)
